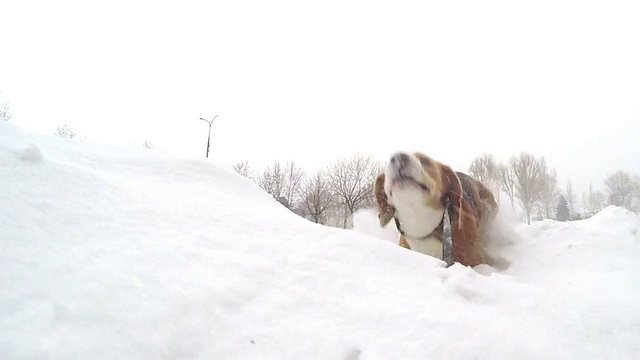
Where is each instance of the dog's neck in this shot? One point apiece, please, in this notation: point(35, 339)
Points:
point(413, 218)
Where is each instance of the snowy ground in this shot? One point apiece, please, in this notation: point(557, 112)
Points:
point(112, 253)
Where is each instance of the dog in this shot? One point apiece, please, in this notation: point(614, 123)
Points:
point(413, 190)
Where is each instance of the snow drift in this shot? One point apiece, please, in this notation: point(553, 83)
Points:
point(115, 253)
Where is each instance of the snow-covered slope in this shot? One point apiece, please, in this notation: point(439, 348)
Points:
point(112, 253)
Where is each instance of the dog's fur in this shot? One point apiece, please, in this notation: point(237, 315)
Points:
point(412, 191)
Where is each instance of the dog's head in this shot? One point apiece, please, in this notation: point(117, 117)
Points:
point(414, 177)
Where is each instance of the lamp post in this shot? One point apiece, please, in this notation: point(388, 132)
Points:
point(209, 137)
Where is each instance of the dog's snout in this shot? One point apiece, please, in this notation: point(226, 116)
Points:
point(400, 159)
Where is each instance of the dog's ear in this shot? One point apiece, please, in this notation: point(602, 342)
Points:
point(452, 189)
point(466, 246)
point(385, 210)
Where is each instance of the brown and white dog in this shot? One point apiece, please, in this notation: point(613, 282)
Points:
point(412, 190)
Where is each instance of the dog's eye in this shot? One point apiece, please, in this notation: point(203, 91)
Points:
point(424, 162)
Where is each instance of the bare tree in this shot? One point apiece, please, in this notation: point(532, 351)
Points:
point(283, 182)
point(621, 187)
point(351, 180)
point(5, 112)
point(65, 131)
point(594, 201)
point(272, 180)
point(507, 179)
point(147, 144)
point(570, 197)
point(485, 169)
point(598, 201)
point(294, 178)
point(317, 197)
point(548, 194)
point(529, 174)
point(243, 169)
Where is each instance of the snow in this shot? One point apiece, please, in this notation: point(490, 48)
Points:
point(126, 253)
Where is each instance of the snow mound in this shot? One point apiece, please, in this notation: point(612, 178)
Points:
point(115, 253)
point(612, 213)
point(614, 218)
point(365, 221)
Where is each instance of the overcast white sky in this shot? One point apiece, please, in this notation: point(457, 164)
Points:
point(313, 82)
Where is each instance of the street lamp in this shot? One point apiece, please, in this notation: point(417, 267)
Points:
point(209, 137)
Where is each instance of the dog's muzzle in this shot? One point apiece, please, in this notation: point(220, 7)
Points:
point(403, 170)
point(399, 160)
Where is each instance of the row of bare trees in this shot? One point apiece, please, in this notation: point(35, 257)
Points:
point(531, 181)
point(525, 177)
point(327, 196)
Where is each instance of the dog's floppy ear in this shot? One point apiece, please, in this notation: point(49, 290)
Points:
point(385, 210)
point(452, 189)
point(464, 228)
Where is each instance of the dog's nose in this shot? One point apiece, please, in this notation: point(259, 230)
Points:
point(400, 159)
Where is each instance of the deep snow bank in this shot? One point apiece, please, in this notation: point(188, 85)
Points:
point(125, 253)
